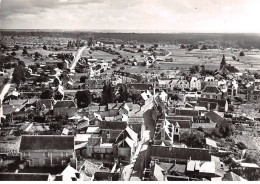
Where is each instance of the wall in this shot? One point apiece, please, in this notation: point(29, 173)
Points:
point(54, 158)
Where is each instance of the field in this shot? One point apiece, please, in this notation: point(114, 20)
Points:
point(99, 55)
point(211, 58)
point(29, 60)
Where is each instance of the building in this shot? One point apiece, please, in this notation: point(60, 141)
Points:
point(211, 92)
point(46, 150)
point(195, 83)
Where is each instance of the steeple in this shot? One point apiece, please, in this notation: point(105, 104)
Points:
point(223, 62)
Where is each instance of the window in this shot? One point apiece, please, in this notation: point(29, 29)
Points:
point(30, 162)
point(108, 134)
point(64, 154)
point(26, 154)
point(63, 162)
point(46, 154)
point(177, 130)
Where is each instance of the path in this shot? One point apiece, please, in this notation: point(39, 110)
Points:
point(77, 57)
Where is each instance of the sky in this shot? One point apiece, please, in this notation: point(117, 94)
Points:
point(225, 16)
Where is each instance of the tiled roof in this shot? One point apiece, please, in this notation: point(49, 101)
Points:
point(182, 123)
point(216, 118)
point(114, 125)
point(65, 103)
point(230, 176)
point(181, 153)
point(24, 176)
point(256, 93)
point(204, 125)
point(211, 89)
point(8, 109)
point(140, 86)
point(93, 82)
point(203, 101)
point(187, 112)
point(119, 105)
point(46, 142)
point(46, 102)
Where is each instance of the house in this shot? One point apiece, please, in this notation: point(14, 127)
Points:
point(68, 174)
point(180, 155)
point(203, 169)
point(164, 133)
point(111, 129)
point(184, 125)
point(210, 80)
point(231, 176)
point(215, 118)
point(137, 124)
point(115, 108)
point(43, 106)
point(126, 143)
point(220, 105)
point(46, 150)
point(182, 84)
point(95, 83)
point(256, 95)
point(211, 92)
point(163, 84)
point(138, 88)
point(64, 107)
point(195, 83)
point(187, 112)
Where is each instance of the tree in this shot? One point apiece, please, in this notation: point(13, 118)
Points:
point(25, 51)
point(123, 94)
point(84, 98)
point(162, 75)
point(83, 79)
point(44, 47)
point(194, 69)
point(204, 47)
point(110, 94)
point(16, 47)
point(37, 55)
point(19, 75)
point(21, 63)
point(194, 139)
point(104, 95)
point(13, 54)
point(47, 94)
point(241, 53)
point(156, 45)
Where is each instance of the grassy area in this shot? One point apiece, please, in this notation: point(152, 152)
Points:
point(99, 55)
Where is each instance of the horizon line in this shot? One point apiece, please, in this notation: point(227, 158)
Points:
point(127, 31)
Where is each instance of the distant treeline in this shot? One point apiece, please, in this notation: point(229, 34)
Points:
point(222, 39)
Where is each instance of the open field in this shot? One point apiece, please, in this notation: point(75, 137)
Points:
point(211, 58)
point(29, 60)
point(99, 55)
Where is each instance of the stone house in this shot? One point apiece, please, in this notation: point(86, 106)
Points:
point(46, 150)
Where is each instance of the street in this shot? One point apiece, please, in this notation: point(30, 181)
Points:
point(77, 57)
point(4, 91)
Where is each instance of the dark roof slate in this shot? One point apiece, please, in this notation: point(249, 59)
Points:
point(24, 176)
point(46, 142)
point(181, 153)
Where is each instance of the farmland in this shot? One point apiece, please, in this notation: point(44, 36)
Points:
point(99, 55)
